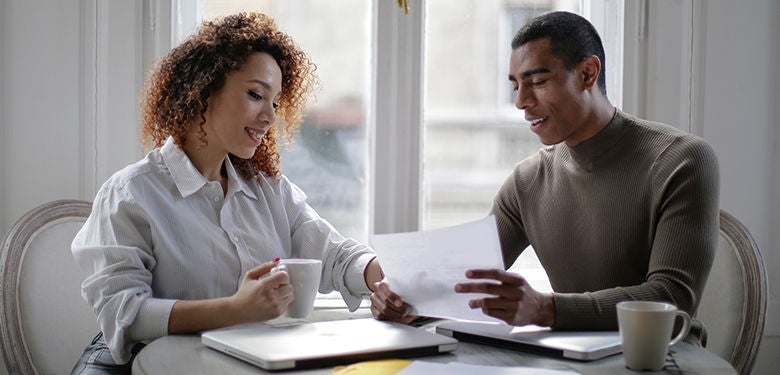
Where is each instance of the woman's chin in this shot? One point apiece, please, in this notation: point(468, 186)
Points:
point(245, 154)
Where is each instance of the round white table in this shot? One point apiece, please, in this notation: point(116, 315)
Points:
point(185, 354)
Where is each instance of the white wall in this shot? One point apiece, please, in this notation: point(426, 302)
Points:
point(70, 82)
point(40, 144)
point(3, 32)
point(711, 67)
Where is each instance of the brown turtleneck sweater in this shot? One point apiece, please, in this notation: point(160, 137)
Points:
point(630, 214)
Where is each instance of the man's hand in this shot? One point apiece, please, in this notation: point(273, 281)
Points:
point(515, 301)
point(386, 305)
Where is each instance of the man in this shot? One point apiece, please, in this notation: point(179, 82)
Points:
point(617, 208)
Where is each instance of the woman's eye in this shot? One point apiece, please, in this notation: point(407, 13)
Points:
point(276, 105)
point(254, 95)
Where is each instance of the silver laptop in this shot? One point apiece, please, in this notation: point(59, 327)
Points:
point(579, 345)
point(295, 345)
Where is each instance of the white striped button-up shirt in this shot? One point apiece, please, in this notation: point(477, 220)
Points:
point(160, 232)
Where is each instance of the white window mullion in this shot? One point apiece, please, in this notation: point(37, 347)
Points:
point(607, 17)
point(661, 63)
point(88, 98)
point(397, 116)
point(160, 29)
point(635, 58)
point(118, 82)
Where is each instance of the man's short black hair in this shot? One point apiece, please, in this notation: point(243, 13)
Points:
point(572, 39)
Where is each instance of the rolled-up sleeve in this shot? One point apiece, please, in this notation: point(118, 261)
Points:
point(344, 260)
point(113, 249)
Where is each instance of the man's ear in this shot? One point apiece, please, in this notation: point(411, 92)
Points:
point(590, 68)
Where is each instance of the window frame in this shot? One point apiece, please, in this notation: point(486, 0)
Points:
point(397, 177)
point(395, 135)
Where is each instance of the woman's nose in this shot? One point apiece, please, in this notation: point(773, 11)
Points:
point(267, 113)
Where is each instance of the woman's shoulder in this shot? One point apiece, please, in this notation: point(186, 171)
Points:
point(138, 172)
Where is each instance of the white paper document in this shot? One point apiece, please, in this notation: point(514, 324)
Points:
point(423, 267)
point(455, 368)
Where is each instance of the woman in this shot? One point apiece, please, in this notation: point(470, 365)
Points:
point(180, 241)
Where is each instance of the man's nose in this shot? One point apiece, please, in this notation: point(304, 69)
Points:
point(524, 98)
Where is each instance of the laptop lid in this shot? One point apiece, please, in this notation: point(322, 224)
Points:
point(579, 345)
point(298, 345)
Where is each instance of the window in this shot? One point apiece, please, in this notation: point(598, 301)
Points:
point(329, 156)
point(472, 135)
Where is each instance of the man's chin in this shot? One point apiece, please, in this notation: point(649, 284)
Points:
point(549, 142)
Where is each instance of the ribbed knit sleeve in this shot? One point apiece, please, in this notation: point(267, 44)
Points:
point(506, 209)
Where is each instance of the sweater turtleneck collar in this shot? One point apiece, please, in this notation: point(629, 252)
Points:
point(587, 153)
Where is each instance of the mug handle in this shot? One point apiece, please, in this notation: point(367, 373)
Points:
point(282, 267)
point(685, 328)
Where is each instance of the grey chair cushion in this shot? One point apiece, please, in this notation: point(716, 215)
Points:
point(723, 300)
point(56, 322)
point(733, 305)
point(44, 322)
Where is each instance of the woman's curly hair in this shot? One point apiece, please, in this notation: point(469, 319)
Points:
point(177, 92)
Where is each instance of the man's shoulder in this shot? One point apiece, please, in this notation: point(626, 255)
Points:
point(659, 129)
point(526, 173)
point(667, 137)
point(651, 128)
point(671, 147)
point(531, 164)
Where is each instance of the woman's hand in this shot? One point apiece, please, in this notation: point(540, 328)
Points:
point(515, 301)
point(262, 298)
point(256, 300)
point(386, 305)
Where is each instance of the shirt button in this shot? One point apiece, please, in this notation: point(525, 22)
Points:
point(216, 199)
point(235, 238)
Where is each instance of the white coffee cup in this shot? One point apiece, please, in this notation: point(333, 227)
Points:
point(645, 329)
point(305, 278)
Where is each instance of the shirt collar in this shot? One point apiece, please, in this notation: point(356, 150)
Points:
point(189, 180)
point(587, 153)
point(237, 183)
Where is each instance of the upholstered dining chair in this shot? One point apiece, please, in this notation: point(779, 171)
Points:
point(44, 323)
point(733, 306)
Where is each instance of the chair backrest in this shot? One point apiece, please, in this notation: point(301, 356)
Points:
point(44, 322)
point(733, 306)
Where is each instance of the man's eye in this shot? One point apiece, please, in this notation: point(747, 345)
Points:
point(254, 95)
point(539, 82)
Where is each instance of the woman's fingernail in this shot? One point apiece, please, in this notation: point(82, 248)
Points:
point(277, 259)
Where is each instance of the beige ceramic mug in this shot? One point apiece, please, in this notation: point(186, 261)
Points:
point(646, 329)
point(305, 278)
